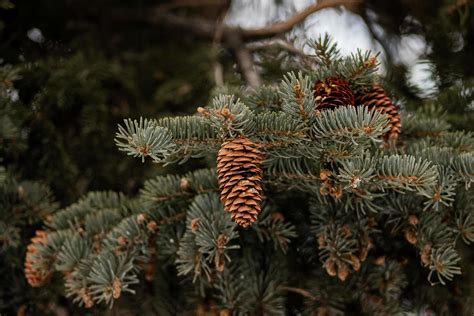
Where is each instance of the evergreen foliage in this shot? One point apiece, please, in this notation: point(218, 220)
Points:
point(351, 224)
point(61, 97)
point(339, 203)
point(24, 205)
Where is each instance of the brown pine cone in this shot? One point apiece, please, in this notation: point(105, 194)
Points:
point(36, 272)
point(239, 173)
point(332, 92)
point(377, 99)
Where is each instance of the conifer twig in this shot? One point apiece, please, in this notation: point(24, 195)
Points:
point(175, 218)
point(300, 291)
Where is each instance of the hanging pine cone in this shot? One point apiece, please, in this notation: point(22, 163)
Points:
point(332, 92)
point(240, 179)
point(35, 272)
point(377, 99)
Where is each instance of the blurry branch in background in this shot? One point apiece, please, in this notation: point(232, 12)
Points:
point(244, 60)
point(206, 28)
point(285, 26)
point(232, 37)
point(275, 43)
point(217, 65)
point(281, 45)
point(377, 36)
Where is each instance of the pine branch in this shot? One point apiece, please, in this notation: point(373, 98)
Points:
point(408, 173)
point(203, 249)
point(272, 227)
point(464, 166)
point(143, 138)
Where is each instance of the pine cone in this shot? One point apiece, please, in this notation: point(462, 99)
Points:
point(377, 99)
point(35, 275)
point(332, 92)
point(240, 179)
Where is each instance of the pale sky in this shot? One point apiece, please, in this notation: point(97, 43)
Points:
point(345, 27)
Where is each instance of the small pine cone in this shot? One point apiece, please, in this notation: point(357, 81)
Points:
point(36, 272)
point(332, 92)
point(240, 179)
point(377, 99)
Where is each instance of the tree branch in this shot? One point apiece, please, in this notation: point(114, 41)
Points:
point(236, 37)
point(217, 66)
point(287, 25)
point(244, 60)
point(205, 28)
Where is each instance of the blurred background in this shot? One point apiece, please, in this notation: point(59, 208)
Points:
point(72, 70)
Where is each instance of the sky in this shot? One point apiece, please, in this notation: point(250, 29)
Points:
point(345, 27)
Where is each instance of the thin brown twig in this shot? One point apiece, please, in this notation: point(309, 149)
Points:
point(300, 291)
point(174, 218)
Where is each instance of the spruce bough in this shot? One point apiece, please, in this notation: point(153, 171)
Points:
point(338, 216)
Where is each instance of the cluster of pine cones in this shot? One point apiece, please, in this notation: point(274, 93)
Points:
point(239, 160)
point(334, 91)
